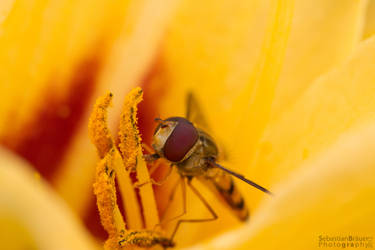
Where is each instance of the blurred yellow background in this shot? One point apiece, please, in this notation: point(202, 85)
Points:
point(287, 87)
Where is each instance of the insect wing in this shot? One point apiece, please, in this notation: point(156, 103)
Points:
point(195, 115)
point(194, 112)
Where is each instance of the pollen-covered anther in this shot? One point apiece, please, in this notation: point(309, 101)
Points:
point(98, 129)
point(145, 238)
point(130, 141)
point(105, 191)
point(131, 149)
point(117, 165)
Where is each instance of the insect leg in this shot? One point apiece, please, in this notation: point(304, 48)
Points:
point(153, 168)
point(205, 203)
point(183, 190)
point(151, 156)
point(147, 148)
point(171, 197)
point(158, 183)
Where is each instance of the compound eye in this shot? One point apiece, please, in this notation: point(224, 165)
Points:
point(181, 140)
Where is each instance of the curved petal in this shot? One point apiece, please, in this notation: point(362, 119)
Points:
point(48, 50)
point(336, 102)
point(5, 8)
point(31, 215)
point(317, 43)
point(331, 195)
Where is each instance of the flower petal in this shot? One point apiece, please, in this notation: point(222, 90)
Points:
point(336, 102)
point(43, 44)
point(31, 215)
point(317, 43)
point(369, 28)
point(330, 195)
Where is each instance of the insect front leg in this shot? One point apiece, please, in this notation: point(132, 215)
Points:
point(158, 183)
point(151, 156)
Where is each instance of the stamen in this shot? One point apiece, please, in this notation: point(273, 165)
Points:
point(105, 191)
point(102, 139)
point(98, 130)
point(119, 165)
point(131, 148)
point(130, 140)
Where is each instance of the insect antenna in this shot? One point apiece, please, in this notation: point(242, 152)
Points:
point(159, 120)
point(241, 177)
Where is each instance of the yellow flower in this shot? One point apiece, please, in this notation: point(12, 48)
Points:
point(287, 88)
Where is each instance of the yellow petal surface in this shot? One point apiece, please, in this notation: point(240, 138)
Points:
point(317, 43)
point(331, 195)
point(31, 215)
point(43, 44)
point(369, 28)
point(5, 8)
point(333, 104)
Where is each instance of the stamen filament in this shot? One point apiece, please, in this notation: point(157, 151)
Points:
point(148, 201)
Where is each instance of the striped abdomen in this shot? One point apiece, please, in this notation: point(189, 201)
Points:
point(224, 187)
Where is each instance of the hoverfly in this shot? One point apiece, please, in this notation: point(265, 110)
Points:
point(194, 152)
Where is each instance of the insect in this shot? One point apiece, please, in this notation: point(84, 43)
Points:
point(195, 153)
